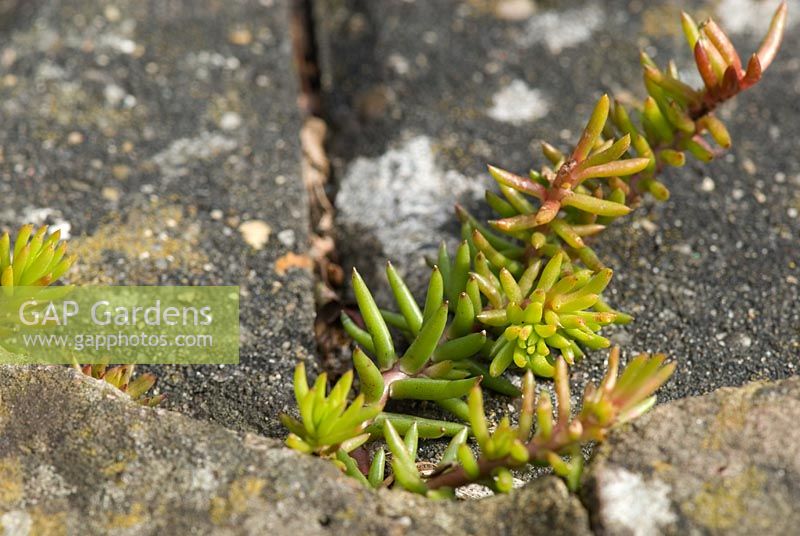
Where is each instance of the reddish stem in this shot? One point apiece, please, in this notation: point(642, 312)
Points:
point(389, 377)
point(537, 452)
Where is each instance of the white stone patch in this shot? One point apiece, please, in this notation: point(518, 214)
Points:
point(206, 146)
point(707, 185)
point(287, 238)
point(473, 492)
point(399, 64)
point(39, 216)
point(518, 103)
point(211, 59)
point(403, 197)
point(514, 9)
point(563, 29)
point(50, 71)
point(638, 506)
point(114, 94)
point(117, 43)
point(230, 121)
point(46, 484)
point(16, 523)
point(479, 491)
point(255, 233)
point(751, 16)
point(204, 479)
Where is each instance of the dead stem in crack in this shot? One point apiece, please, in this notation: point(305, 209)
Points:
point(332, 342)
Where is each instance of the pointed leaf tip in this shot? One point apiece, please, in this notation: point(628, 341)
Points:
point(594, 127)
point(376, 326)
point(723, 45)
point(772, 41)
point(689, 28)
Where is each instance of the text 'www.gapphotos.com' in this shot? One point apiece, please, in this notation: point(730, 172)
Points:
point(118, 340)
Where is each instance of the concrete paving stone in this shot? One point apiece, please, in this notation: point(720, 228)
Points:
point(163, 137)
point(104, 465)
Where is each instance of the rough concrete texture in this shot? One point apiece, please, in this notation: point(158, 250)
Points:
point(724, 463)
point(423, 95)
point(78, 457)
point(163, 137)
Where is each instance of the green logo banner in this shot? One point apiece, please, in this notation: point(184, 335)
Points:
point(116, 325)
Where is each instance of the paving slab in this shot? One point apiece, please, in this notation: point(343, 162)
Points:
point(724, 463)
point(163, 137)
point(78, 457)
point(422, 95)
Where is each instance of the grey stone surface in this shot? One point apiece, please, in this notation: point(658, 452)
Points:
point(724, 463)
point(151, 132)
point(78, 457)
point(423, 95)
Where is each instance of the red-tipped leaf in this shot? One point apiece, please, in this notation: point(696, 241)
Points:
point(704, 65)
point(772, 42)
point(753, 72)
point(723, 44)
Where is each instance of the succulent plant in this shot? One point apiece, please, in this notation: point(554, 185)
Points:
point(557, 207)
point(553, 316)
point(121, 377)
point(539, 436)
point(549, 215)
point(525, 289)
point(329, 423)
point(33, 258)
point(37, 259)
point(440, 362)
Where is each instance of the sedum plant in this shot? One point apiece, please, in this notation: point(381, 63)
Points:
point(553, 316)
point(616, 160)
point(542, 439)
point(328, 423)
point(33, 258)
point(556, 210)
point(121, 377)
point(538, 437)
point(524, 289)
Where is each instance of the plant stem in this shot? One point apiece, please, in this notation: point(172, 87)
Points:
point(389, 377)
point(538, 448)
